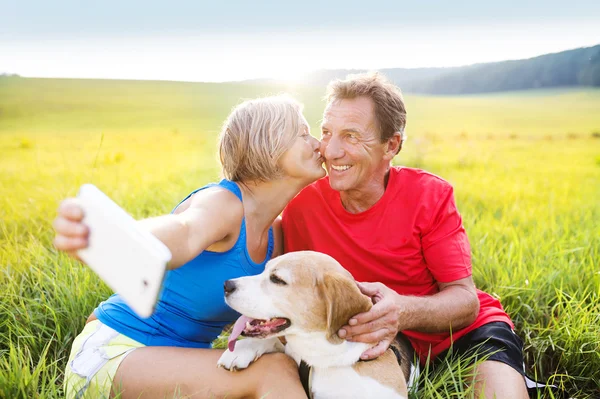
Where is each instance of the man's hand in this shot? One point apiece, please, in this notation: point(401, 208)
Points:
point(454, 307)
point(378, 325)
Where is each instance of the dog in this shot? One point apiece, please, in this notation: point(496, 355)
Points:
point(306, 297)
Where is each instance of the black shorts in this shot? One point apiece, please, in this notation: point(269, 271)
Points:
point(494, 341)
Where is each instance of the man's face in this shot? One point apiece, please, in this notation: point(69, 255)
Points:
point(354, 156)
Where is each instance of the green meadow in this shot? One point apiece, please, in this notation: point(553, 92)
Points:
point(525, 167)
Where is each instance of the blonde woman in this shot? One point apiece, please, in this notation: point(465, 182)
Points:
point(220, 231)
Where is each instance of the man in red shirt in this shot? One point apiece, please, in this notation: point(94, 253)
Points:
point(400, 227)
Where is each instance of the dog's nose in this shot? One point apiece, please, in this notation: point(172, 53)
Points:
point(228, 287)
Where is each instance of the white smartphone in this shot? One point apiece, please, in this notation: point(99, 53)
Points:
point(128, 258)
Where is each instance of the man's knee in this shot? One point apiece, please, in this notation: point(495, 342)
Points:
point(494, 369)
point(497, 379)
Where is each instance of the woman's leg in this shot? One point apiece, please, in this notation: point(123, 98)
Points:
point(170, 372)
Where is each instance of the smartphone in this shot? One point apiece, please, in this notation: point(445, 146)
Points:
point(129, 259)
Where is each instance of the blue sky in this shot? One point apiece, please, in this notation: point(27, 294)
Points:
point(234, 40)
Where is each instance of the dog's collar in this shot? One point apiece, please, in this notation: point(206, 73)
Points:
point(396, 352)
point(305, 371)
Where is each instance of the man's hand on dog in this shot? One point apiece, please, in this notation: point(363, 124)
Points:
point(380, 324)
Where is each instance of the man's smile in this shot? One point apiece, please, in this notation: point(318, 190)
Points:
point(341, 168)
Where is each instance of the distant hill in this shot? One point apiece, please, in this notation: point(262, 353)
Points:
point(579, 67)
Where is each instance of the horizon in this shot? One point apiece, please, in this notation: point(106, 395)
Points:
point(239, 41)
point(295, 79)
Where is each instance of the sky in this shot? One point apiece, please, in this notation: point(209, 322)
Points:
point(236, 40)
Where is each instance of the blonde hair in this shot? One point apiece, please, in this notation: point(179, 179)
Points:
point(256, 134)
point(390, 112)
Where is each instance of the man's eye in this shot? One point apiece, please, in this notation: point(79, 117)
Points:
point(277, 280)
point(323, 134)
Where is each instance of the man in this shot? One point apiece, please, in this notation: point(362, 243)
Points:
point(399, 226)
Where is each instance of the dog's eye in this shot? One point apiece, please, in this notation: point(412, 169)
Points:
point(277, 280)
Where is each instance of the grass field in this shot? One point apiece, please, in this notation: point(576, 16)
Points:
point(525, 166)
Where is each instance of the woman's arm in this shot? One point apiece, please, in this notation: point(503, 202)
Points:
point(210, 217)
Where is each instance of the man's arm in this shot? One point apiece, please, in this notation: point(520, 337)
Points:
point(454, 307)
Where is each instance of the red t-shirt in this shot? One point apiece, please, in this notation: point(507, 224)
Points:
point(409, 240)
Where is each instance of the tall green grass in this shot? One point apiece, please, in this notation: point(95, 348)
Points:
point(525, 167)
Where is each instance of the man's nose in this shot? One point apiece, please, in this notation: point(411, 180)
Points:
point(229, 287)
point(331, 149)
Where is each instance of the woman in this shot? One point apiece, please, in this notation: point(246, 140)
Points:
point(220, 231)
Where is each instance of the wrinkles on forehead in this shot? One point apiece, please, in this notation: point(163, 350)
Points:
point(351, 115)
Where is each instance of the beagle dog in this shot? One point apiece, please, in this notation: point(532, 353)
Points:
point(307, 297)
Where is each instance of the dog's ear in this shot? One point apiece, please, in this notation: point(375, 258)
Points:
point(343, 300)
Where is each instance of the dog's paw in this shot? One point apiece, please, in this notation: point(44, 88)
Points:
point(247, 351)
point(236, 360)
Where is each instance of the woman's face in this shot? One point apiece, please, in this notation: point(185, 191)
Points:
point(303, 159)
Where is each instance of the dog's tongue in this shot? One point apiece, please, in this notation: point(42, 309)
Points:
point(238, 327)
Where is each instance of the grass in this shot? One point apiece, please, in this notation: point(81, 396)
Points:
point(524, 166)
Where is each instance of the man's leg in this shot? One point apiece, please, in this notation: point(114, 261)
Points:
point(500, 381)
point(500, 375)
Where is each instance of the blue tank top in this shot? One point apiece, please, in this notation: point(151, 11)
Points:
point(191, 311)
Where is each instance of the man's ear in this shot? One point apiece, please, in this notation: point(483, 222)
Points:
point(343, 300)
point(393, 145)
